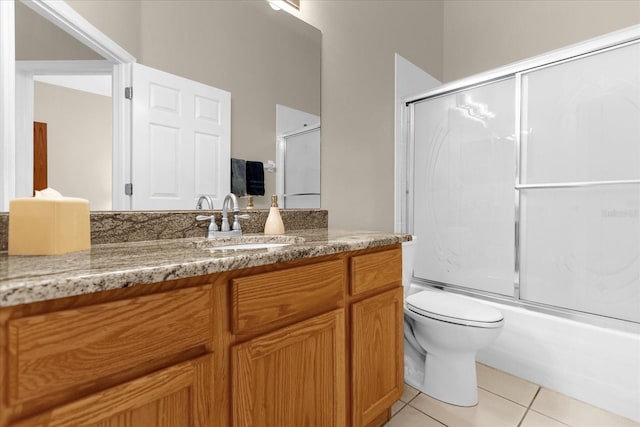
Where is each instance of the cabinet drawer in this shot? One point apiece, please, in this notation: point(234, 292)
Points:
point(61, 351)
point(266, 301)
point(175, 396)
point(376, 270)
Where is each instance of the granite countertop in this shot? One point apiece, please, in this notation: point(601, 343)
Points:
point(25, 279)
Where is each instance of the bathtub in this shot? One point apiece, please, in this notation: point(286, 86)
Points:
point(593, 364)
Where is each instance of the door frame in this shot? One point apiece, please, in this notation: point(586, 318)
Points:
point(14, 154)
point(26, 71)
point(281, 158)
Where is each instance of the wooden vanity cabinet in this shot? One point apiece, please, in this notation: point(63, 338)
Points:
point(377, 336)
point(110, 359)
point(313, 342)
point(288, 360)
point(301, 374)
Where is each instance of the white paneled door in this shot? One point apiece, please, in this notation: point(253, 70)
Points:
point(181, 135)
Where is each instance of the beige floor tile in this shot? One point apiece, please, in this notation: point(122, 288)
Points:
point(408, 393)
point(506, 385)
point(491, 410)
point(534, 419)
point(396, 407)
point(576, 413)
point(410, 417)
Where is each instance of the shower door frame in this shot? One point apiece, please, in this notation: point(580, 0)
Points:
point(405, 170)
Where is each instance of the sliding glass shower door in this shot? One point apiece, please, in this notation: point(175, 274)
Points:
point(529, 187)
point(580, 184)
point(464, 173)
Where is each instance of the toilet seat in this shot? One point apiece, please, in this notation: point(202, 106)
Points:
point(454, 309)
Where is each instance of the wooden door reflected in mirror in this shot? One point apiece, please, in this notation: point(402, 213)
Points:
point(39, 156)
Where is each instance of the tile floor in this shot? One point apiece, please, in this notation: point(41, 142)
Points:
point(504, 401)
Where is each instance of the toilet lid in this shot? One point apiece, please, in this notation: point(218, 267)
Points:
point(454, 309)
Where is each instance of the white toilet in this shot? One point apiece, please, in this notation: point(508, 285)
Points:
point(443, 332)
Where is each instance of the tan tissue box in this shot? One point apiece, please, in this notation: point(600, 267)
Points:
point(48, 226)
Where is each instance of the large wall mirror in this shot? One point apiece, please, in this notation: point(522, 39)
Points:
point(264, 58)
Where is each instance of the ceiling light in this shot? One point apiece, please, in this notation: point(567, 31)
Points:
point(291, 6)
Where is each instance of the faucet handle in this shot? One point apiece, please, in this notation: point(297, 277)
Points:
point(213, 227)
point(236, 224)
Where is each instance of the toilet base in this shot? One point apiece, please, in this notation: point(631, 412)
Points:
point(413, 366)
point(451, 379)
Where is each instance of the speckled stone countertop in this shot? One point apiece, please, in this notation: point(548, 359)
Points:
point(137, 226)
point(25, 279)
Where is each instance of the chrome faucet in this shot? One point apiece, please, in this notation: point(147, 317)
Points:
point(225, 209)
point(235, 229)
point(225, 230)
point(204, 198)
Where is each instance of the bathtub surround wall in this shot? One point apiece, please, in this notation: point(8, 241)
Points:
point(118, 227)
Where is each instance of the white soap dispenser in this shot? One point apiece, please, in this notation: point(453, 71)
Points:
point(274, 223)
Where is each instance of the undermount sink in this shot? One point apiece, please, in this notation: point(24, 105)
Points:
point(248, 246)
point(248, 242)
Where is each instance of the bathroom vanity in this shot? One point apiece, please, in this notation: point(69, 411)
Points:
point(177, 333)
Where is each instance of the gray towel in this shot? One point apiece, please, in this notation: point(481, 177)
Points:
point(238, 177)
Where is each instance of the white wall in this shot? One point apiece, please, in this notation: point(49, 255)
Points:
point(78, 142)
point(359, 43)
point(119, 19)
point(485, 34)
point(39, 39)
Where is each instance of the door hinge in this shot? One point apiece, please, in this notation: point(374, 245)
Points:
point(128, 92)
point(128, 189)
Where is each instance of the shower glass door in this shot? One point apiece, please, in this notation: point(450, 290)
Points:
point(580, 184)
point(464, 173)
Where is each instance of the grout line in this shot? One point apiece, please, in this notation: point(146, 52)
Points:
point(506, 398)
point(424, 413)
point(542, 413)
point(404, 405)
point(535, 396)
point(526, 411)
point(551, 418)
point(413, 398)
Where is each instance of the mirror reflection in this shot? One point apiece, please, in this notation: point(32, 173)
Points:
point(263, 58)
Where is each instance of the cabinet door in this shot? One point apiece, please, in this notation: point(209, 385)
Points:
point(376, 355)
point(174, 397)
point(292, 377)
